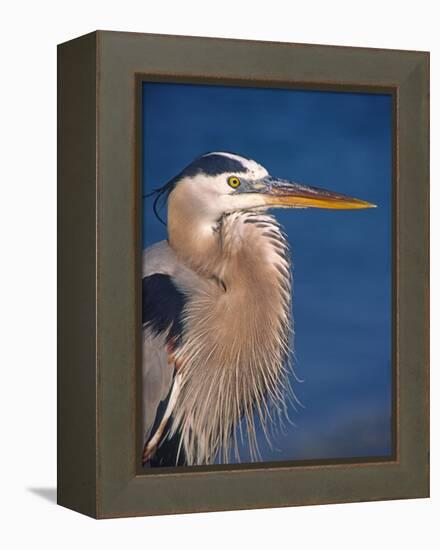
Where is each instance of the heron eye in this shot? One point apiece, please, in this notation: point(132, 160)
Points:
point(233, 182)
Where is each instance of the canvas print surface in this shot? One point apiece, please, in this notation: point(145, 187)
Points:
point(266, 275)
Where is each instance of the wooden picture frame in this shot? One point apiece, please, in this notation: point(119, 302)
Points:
point(99, 273)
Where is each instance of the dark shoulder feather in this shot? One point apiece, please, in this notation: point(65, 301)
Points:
point(162, 305)
point(162, 309)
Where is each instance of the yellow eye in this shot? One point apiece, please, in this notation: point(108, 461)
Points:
point(234, 182)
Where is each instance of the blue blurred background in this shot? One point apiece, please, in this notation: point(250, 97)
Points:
point(342, 259)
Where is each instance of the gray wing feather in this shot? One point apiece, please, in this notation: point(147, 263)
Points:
point(157, 378)
point(157, 371)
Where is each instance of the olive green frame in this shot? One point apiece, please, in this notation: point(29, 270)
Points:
point(99, 265)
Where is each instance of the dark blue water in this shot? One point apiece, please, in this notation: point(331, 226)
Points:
point(342, 260)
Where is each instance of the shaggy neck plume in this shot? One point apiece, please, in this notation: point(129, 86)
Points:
point(244, 302)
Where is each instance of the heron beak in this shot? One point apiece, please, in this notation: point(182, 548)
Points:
point(282, 193)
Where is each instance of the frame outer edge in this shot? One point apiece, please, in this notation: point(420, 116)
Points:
point(121, 56)
point(413, 274)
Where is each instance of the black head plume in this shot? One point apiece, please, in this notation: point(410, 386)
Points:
point(161, 195)
point(210, 164)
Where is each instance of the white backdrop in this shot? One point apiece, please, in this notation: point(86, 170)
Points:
point(29, 34)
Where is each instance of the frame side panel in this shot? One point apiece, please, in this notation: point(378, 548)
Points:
point(77, 69)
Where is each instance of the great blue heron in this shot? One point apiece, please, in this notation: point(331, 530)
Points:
point(217, 321)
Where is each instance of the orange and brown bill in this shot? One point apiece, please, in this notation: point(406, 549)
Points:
point(283, 193)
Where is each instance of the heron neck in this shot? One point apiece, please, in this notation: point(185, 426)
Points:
point(195, 239)
point(237, 339)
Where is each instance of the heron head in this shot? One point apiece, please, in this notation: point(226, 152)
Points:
point(219, 183)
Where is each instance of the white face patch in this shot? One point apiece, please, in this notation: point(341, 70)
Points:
point(208, 197)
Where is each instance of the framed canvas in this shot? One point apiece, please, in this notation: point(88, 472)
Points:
point(243, 274)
